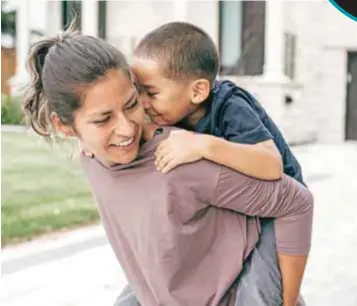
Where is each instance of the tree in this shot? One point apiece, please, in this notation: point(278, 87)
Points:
point(8, 20)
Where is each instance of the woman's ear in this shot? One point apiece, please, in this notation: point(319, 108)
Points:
point(200, 91)
point(65, 130)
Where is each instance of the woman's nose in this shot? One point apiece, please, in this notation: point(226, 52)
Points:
point(124, 127)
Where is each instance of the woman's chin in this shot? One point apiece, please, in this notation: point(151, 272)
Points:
point(125, 157)
point(124, 154)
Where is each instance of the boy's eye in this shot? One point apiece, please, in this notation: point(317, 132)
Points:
point(152, 94)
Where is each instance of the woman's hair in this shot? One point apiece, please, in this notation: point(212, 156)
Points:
point(60, 69)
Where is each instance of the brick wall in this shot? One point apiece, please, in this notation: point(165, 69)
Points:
point(8, 66)
point(324, 37)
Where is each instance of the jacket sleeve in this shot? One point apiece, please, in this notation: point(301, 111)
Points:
point(285, 199)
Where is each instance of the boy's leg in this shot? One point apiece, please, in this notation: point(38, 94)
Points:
point(127, 298)
point(260, 281)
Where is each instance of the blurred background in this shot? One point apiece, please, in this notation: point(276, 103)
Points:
point(299, 58)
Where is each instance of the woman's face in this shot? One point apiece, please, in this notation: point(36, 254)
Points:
point(109, 122)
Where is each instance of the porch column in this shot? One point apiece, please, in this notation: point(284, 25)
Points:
point(20, 78)
point(180, 10)
point(274, 41)
point(54, 17)
point(90, 17)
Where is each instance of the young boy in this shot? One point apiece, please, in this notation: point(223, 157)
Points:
point(175, 69)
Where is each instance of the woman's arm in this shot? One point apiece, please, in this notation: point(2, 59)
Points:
point(290, 203)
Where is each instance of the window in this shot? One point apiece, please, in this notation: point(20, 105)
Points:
point(230, 32)
point(241, 37)
point(102, 19)
point(74, 8)
point(69, 10)
point(289, 55)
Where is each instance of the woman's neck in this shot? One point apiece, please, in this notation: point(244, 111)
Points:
point(149, 129)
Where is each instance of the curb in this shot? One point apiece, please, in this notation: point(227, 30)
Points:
point(51, 248)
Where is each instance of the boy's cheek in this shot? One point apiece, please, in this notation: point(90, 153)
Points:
point(159, 121)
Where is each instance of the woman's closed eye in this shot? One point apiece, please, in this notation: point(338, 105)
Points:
point(132, 104)
point(104, 120)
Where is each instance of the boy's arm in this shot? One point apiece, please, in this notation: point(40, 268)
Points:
point(290, 203)
point(261, 160)
point(246, 145)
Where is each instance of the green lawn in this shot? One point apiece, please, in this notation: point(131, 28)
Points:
point(42, 189)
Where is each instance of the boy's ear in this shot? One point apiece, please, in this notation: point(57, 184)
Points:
point(200, 91)
point(65, 130)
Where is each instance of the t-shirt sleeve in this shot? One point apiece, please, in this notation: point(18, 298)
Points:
point(241, 124)
point(285, 199)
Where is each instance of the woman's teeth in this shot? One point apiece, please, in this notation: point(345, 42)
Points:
point(124, 143)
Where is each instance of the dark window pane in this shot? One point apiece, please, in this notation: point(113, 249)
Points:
point(241, 37)
point(102, 12)
point(253, 38)
point(69, 10)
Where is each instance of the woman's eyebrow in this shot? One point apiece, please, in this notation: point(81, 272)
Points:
point(100, 113)
point(103, 113)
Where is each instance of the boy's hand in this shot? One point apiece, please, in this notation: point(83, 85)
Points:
point(181, 147)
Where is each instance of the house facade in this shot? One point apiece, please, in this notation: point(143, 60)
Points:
point(299, 58)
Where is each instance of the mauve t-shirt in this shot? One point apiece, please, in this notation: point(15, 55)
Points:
point(182, 237)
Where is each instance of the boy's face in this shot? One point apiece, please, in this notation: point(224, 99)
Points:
point(166, 101)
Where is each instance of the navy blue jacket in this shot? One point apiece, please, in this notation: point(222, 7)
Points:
point(234, 114)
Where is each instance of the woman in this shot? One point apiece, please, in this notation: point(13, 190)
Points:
point(178, 236)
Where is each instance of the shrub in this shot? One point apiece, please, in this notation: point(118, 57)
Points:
point(11, 112)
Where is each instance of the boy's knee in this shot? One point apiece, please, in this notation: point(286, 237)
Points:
point(127, 298)
point(260, 280)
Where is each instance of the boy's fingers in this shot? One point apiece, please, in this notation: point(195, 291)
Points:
point(164, 161)
point(164, 151)
point(160, 155)
point(169, 166)
point(161, 147)
point(157, 152)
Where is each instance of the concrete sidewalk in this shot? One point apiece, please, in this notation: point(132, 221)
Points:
point(14, 128)
point(79, 268)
